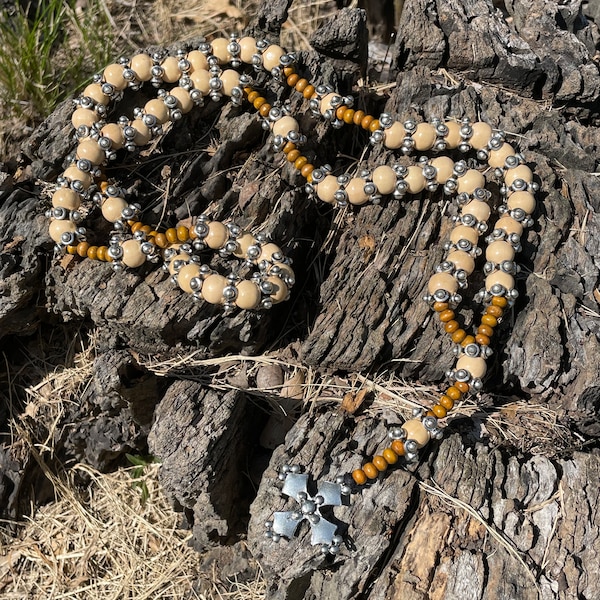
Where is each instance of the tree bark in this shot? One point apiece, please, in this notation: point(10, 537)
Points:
point(478, 517)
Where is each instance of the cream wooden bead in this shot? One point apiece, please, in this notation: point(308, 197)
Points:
point(66, 198)
point(284, 125)
point(114, 133)
point(267, 251)
point(462, 260)
point(177, 258)
point(444, 166)
point(424, 136)
point(90, 150)
point(157, 108)
point(384, 179)
point(94, 91)
point(482, 133)
point(112, 208)
point(185, 276)
point(141, 65)
point(217, 235)
point(501, 278)
point(280, 289)
point(247, 49)
point(244, 241)
point(522, 200)
point(132, 254)
point(142, 132)
point(184, 101)
point(442, 281)
point(509, 225)
point(271, 56)
point(170, 67)
point(480, 210)
point(500, 251)
point(84, 116)
point(201, 80)
point(394, 136)
point(415, 430)
point(197, 60)
point(475, 365)
point(326, 102)
point(248, 295)
point(498, 157)
point(219, 49)
point(113, 74)
point(75, 174)
point(327, 188)
point(463, 232)
point(212, 288)
point(230, 80)
point(355, 189)
point(521, 172)
point(414, 179)
point(286, 270)
point(453, 137)
point(59, 226)
point(470, 181)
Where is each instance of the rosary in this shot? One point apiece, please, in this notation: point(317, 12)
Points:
point(223, 68)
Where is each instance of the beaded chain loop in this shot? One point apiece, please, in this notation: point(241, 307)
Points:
point(222, 69)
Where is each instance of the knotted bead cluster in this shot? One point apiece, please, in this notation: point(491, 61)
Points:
point(223, 69)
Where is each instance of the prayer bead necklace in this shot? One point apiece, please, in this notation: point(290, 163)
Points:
point(222, 69)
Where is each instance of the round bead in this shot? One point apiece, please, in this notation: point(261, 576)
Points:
point(499, 278)
point(142, 132)
point(327, 188)
point(217, 236)
point(453, 137)
point(415, 430)
point(424, 136)
point(66, 198)
point(271, 56)
point(521, 172)
point(442, 281)
point(186, 274)
point(280, 289)
point(370, 470)
point(480, 210)
point(267, 251)
point(284, 125)
point(90, 150)
point(113, 74)
point(201, 80)
point(489, 320)
point(499, 301)
point(244, 242)
point(157, 108)
point(380, 463)
point(500, 251)
point(398, 447)
point(212, 288)
point(454, 393)
point(198, 60)
point(359, 476)
point(94, 91)
point(509, 225)
point(75, 174)
point(248, 295)
point(498, 157)
point(184, 102)
point(390, 456)
point(476, 366)
point(463, 232)
point(356, 192)
point(470, 181)
point(230, 80)
point(132, 254)
point(447, 402)
point(219, 49)
point(462, 260)
point(177, 258)
point(384, 179)
point(394, 136)
point(84, 116)
point(247, 49)
point(444, 166)
point(326, 102)
point(482, 132)
point(141, 65)
point(171, 72)
point(112, 209)
point(522, 200)
point(59, 226)
point(414, 179)
point(114, 133)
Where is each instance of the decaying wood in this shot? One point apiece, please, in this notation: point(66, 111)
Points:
point(470, 520)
